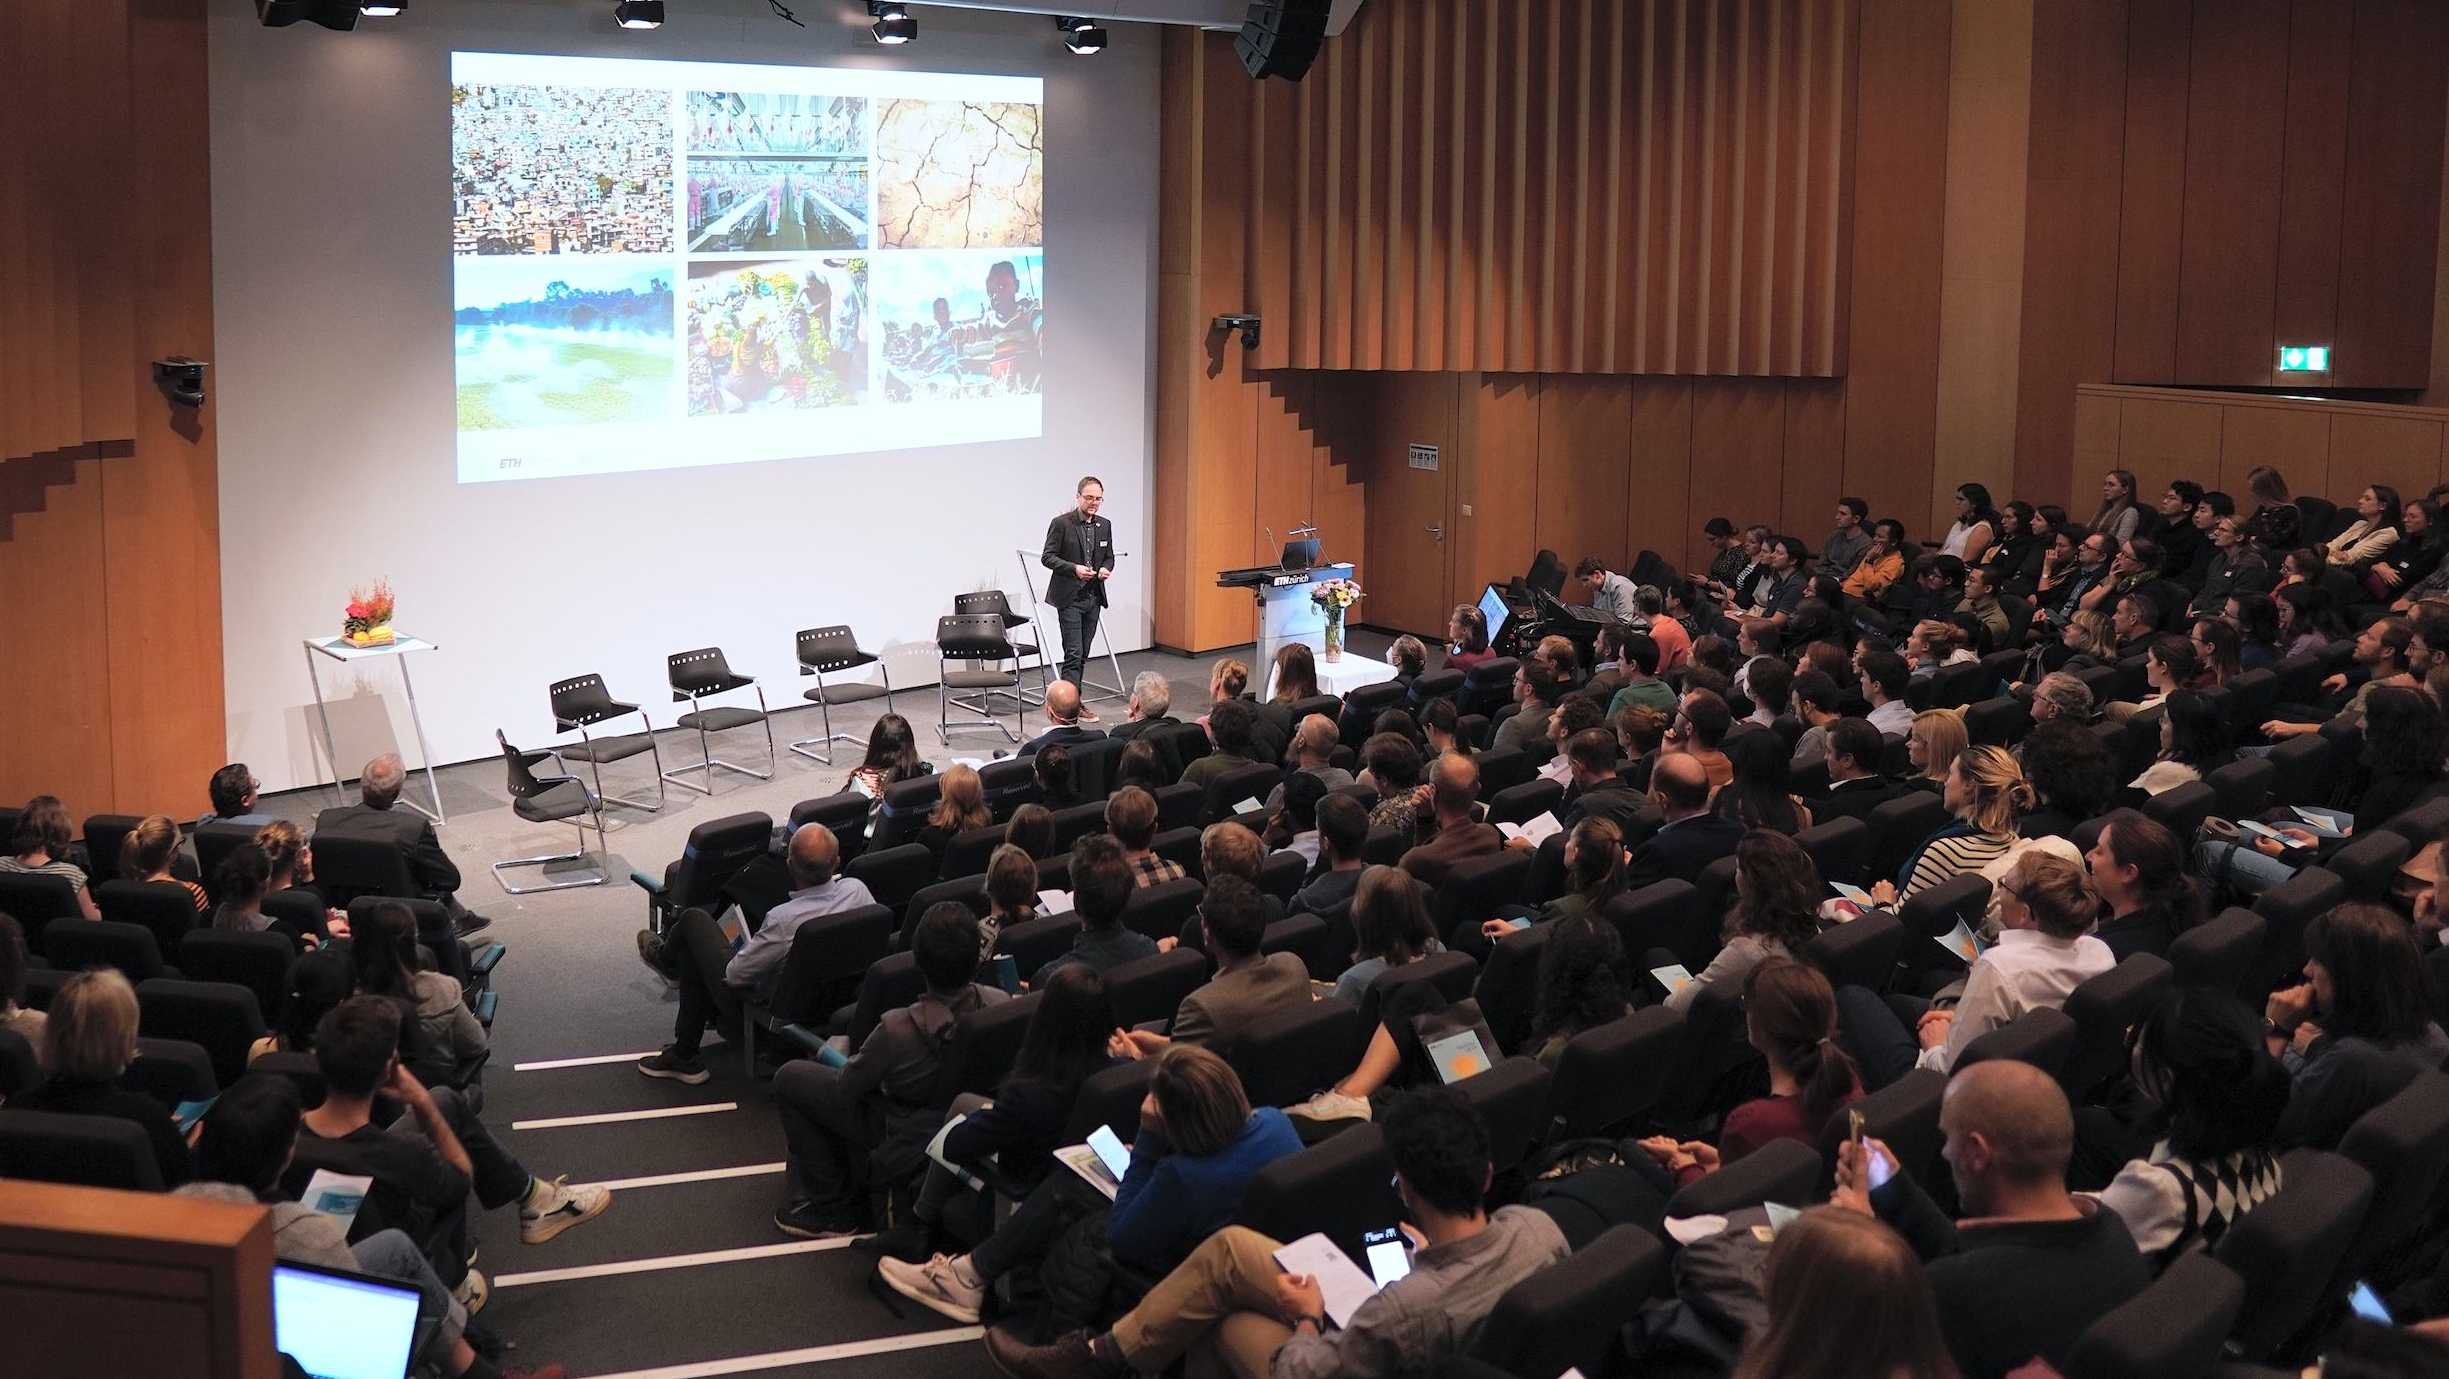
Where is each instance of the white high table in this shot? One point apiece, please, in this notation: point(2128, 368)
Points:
point(1340, 678)
point(401, 647)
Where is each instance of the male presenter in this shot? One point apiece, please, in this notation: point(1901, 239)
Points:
point(1080, 552)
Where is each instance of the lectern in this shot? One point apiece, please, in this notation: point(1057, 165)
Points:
point(1286, 613)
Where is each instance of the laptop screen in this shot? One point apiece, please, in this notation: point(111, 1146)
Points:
point(340, 1325)
point(1494, 608)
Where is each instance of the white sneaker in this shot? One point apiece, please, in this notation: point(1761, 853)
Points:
point(1331, 1105)
point(937, 1285)
point(473, 1292)
point(553, 1207)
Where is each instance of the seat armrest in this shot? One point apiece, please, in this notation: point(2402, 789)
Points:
point(485, 1004)
point(652, 885)
point(482, 961)
point(809, 1041)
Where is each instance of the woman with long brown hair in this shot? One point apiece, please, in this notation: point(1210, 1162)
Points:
point(960, 805)
point(1790, 1016)
point(1847, 1299)
point(1776, 913)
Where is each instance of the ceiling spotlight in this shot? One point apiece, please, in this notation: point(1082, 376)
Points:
point(381, 9)
point(638, 14)
point(894, 23)
point(1082, 35)
point(340, 15)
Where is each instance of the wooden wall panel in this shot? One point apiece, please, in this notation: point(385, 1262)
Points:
point(109, 497)
point(2151, 228)
point(2395, 120)
point(1814, 459)
point(1582, 465)
point(1738, 449)
point(2304, 307)
point(2235, 133)
point(1657, 512)
point(2324, 447)
point(1899, 212)
point(1498, 503)
point(1577, 186)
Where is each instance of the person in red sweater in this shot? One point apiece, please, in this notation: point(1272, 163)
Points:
point(1790, 1015)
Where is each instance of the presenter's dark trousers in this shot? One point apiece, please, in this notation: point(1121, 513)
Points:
point(1078, 621)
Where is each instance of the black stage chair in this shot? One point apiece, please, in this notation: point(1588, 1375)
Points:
point(550, 800)
point(695, 677)
point(992, 603)
point(834, 650)
point(580, 704)
point(980, 640)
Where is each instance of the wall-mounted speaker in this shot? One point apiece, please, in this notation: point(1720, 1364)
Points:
point(1280, 38)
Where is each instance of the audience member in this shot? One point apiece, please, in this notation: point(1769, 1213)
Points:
point(1790, 1017)
point(1755, 794)
point(1011, 895)
point(1846, 544)
point(2146, 893)
point(14, 1016)
point(1699, 729)
point(1688, 837)
point(2379, 522)
point(715, 977)
point(146, 854)
point(1855, 785)
point(1673, 639)
point(2356, 1028)
point(891, 758)
point(1229, 728)
point(1102, 883)
point(1051, 771)
point(1845, 1299)
point(1031, 829)
point(960, 805)
point(1231, 1301)
point(376, 818)
point(2062, 1262)
point(1390, 927)
point(41, 848)
point(1140, 765)
point(1454, 799)
point(232, 791)
point(1466, 638)
point(1233, 918)
point(1885, 677)
point(1593, 789)
point(859, 1128)
point(1062, 721)
point(1131, 816)
point(440, 1040)
point(1775, 915)
point(1343, 831)
point(1932, 745)
point(1536, 690)
point(1313, 749)
point(89, 1039)
point(1986, 792)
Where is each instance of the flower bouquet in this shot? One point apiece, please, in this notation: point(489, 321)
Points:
point(367, 621)
point(1335, 596)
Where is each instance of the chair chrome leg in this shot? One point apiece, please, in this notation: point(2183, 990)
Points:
point(599, 878)
point(806, 746)
point(708, 761)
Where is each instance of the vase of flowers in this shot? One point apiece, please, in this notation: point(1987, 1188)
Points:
point(367, 620)
point(1335, 597)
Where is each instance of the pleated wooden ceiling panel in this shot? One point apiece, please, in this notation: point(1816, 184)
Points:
point(1560, 186)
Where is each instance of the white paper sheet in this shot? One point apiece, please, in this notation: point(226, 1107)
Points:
point(1341, 1284)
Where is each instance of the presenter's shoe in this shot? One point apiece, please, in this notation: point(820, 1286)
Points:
point(674, 1066)
point(1073, 1355)
point(802, 1219)
point(942, 1285)
point(554, 1206)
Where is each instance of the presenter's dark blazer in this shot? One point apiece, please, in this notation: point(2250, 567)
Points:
point(1071, 542)
point(410, 831)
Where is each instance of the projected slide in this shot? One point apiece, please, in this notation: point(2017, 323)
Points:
point(667, 264)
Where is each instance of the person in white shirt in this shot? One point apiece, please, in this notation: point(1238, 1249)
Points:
point(1884, 679)
point(2046, 908)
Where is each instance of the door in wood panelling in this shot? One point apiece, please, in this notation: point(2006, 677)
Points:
point(1411, 511)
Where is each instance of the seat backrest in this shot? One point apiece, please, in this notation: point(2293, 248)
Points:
point(1282, 873)
point(34, 901)
point(300, 1068)
point(892, 875)
point(2404, 1144)
point(1519, 804)
point(349, 868)
point(891, 982)
point(2175, 1327)
point(1647, 918)
point(103, 835)
point(988, 602)
point(1610, 1074)
point(1361, 708)
point(985, 1042)
point(89, 1151)
point(1512, 1100)
point(1110, 1097)
point(214, 844)
point(1342, 1187)
point(904, 810)
point(1152, 988)
point(844, 815)
point(76, 944)
point(1180, 743)
point(1451, 972)
point(2182, 808)
point(1078, 821)
point(2219, 952)
point(258, 962)
point(2043, 1037)
point(1384, 847)
point(171, 1071)
point(2242, 787)
point(2368, 866)
point(972, 636)
point(699, 672)
point(969, 890)
point(1567, 1315)
point(1904, 1115)
point(222, 1016)
point(161, 907)
point(1093, 767)
point(1288, 1053)
point(829, 955)
point(2287, 1250)
point(1900, 825)
point(1783, 1171)
point(1933, 910)
point(1488, 685)
point(1305, 937)
point(1036, 942)
point(1508, 989)
point(1476, 886)
point(830, 648)
point(19, 1067)
point(582, 701)
point(1504, 769)
point(2303, 767)
point(716, 851)
point(1837, 847)
point(2103, 1009)
point(2286, 909)
point(1861, 952)
point(1226, 792)
point(1159, 911)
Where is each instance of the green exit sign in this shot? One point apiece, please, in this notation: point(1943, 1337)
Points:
point(2304, 359)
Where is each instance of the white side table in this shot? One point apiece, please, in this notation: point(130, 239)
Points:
point(401, 647)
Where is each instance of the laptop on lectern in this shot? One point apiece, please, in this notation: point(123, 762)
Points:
point(1300, 555)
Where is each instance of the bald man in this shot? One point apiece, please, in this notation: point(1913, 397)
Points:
point(1454, 793)
point(1062, 721)
point(1689, 837)
point(376, 818)
point(715, 978)
point(2029, 1266)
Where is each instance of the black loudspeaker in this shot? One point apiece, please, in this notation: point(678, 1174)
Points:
point(1281, 37)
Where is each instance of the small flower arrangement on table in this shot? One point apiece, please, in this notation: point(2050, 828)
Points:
point(1336, 596)
point(367, 620)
